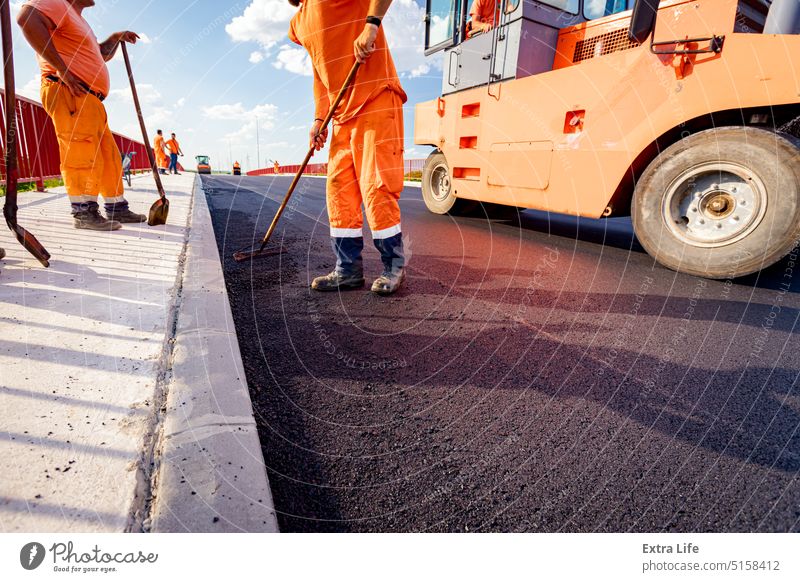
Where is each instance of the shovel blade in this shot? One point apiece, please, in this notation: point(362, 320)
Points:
point(32, 245)
point(159, 212)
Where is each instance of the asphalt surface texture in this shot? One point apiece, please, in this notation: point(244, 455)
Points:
point(537, 373)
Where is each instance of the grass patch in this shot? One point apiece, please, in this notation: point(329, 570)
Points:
point(31, 186)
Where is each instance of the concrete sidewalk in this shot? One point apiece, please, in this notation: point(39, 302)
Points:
point(86, 369)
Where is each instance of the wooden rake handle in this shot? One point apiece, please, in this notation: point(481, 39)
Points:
point(145, 135)
point(334, 106)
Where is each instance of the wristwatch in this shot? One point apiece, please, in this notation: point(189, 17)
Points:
point(374, 20)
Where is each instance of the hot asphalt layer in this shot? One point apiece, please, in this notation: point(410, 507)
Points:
point(528, 378)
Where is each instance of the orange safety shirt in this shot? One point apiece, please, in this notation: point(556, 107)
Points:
point(484, 10)
point(76, 43)
point(159, 143)
point(327, 30)
point(173, 146)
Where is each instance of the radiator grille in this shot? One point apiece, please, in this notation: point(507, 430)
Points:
point(604, 44)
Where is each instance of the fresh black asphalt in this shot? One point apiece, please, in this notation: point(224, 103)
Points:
point(536, 374)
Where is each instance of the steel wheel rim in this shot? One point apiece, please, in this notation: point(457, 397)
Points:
point(714, 204)
point(439, 183)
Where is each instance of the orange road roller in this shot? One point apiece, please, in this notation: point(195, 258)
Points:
point(684, 115)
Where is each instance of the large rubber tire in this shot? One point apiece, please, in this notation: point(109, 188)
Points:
point(721, 203)
point(437, 188)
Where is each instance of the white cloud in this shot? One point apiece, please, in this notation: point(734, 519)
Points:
point(405, 31)
point(148, 94)
point(266, 22)
point(256, 57)
point(31, 89)
point(144, 39)
point(293, 59)
point(263, 21)
point(264, 113)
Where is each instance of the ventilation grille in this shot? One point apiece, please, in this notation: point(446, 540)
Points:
point(604, 44)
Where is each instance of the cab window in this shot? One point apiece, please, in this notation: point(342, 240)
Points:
point(570, 6)
point(440, 29)
point(598, 8)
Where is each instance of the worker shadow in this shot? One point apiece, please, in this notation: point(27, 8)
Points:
point(72, 289)
point(67, 515)
point(613, 232)
point(544, 287)
point(739, 412)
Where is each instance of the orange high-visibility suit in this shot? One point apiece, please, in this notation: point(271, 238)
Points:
point(483, 11)
point(91, 164)
point(162, 159)
point(366, 147)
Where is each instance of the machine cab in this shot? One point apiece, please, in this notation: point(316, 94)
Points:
point(522, 42)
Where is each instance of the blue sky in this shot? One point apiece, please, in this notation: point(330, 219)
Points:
point(208, 68)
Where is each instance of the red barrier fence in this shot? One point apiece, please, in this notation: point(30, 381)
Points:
point(37, 146)
point(412, 167)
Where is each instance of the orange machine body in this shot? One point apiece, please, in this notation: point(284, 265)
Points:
point(574, 138)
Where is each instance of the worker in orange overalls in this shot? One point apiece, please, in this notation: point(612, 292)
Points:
point(75, 81)
point(160, 147)
point(482, 15)
point(174, 151)
point(277, 167)
point(365, 164)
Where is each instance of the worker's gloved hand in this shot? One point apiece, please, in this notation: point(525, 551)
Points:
point(317, 139)
point(364, 45)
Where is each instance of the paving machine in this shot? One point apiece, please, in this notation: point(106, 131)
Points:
point(203, 164)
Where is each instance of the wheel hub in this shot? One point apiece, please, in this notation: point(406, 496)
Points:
point(714, 204)
point(440, 183)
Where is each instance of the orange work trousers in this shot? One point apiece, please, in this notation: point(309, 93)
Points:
point(91, 164)
point(366, 166)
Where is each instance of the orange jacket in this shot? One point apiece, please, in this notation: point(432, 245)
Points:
point(484, 10)
point(327, 30)
point(173, 146)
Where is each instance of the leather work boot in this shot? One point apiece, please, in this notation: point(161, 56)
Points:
point(93, 220)
point(125, 216)
point(394, 262)
point(389, 282)
point(338, 282)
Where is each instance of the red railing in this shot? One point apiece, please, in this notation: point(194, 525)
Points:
point(411, 167)
point(37, 146)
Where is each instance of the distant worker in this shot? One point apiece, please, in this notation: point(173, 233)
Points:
point(75, 82)
point(366, 151)
point(174, 151)
point(482, 16)
point(277, 167)
point(160, 147)
point(237, 169)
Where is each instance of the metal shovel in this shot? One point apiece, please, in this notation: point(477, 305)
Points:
point(160, 209)
point(25, 238)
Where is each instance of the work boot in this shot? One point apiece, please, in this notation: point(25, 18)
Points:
point(349, 272)
point(389, 282)
point(125, 216)
point(93, 220)
point(338, 282)
point(2, 253)
point(394, 262)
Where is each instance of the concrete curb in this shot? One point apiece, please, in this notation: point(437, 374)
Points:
point(211, 475)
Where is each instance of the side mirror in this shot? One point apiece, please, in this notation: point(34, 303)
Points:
point(643, 20)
